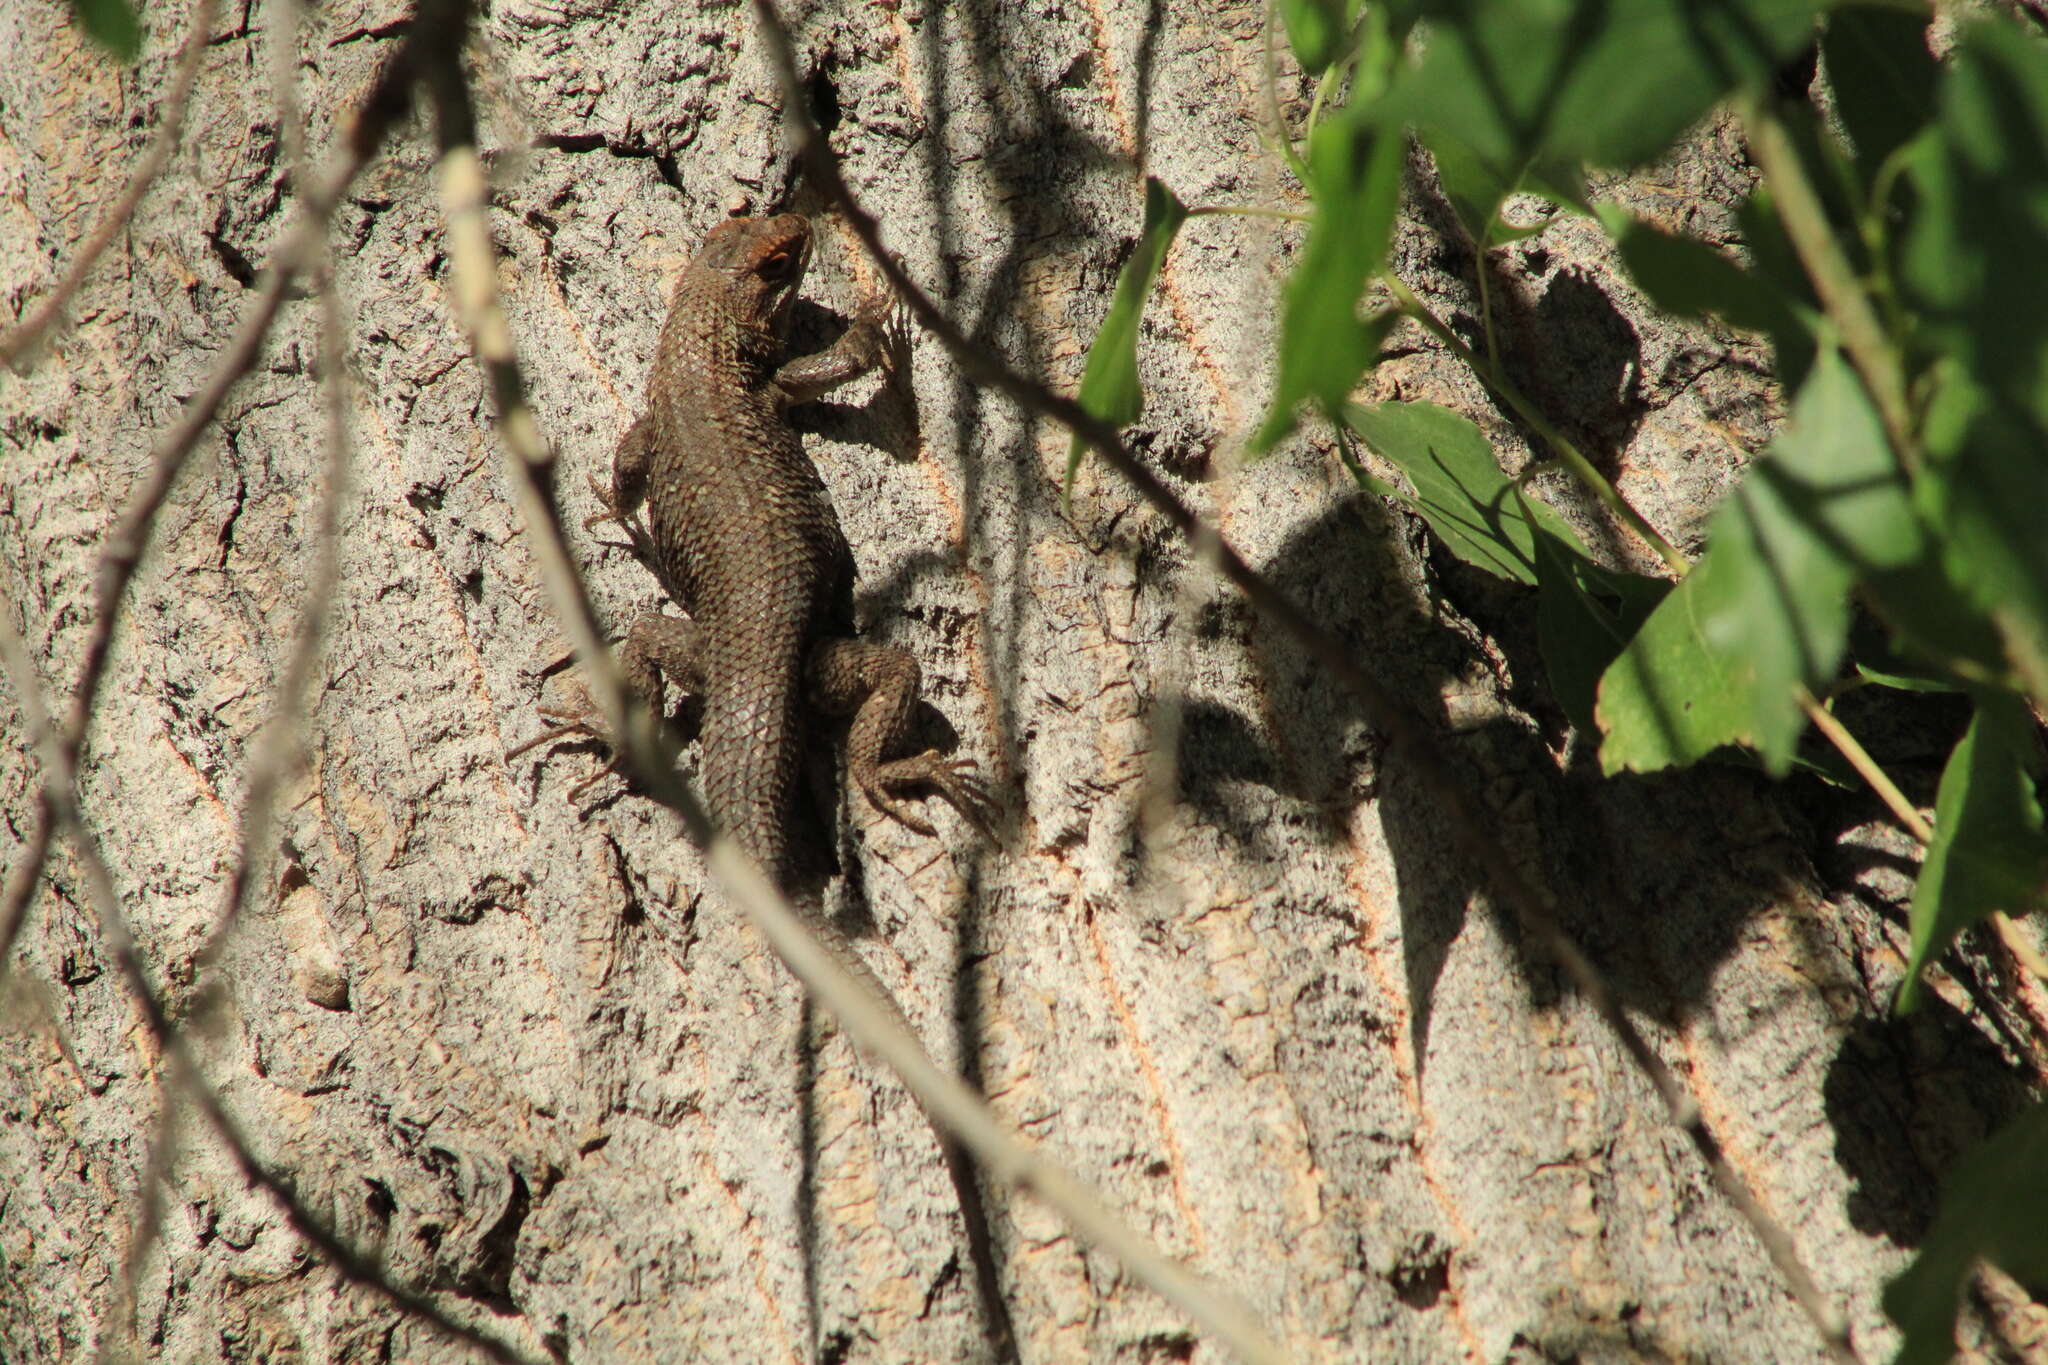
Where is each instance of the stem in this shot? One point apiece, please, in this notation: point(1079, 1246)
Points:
point(1834, 278)
point(1485, 301)
point(1837, 734)
point(1250, 211)
point(2010, 934)
point(1315, 105)
point(18, 341)
point(1580, 466)
point(1405, 730)
point(1281, 139)
point(2015, 941)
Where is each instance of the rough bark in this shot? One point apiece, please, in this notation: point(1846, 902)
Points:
point(1226, 967)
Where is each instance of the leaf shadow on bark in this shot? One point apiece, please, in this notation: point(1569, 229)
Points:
point(1655, 877)
point(1907, 1095)
point(1905, 1098)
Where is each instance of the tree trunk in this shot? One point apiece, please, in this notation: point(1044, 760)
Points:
point(1225, 965)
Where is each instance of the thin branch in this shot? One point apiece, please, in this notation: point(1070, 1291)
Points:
point(1834, 278)
point(126, 542)
point(23, 876)
point(1281, 140)
point(374, 116)
point(2014, 940)
point(1823, 720)
point(1568, 453)
point(277, 744)
point(119, 1313)
point(23, 338)
point(1837, 734)
point(287, 27)
point(60, 783)
point(1405, 731)
point(1869, 347)
point(824, 968)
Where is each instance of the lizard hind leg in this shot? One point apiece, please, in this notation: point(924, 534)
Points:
point(878, 685)
point(662, 649)
point(657, 649)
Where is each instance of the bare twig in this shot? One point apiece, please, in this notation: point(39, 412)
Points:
point(118, 1317)
point(2016, 942)
point(1846, 744)
point(287, 25)
point(27, 870)
point(273, 749)
point(130, 536)
point(275, 746)
point(1568, 453)
point(1281, 140)
point(1406, 732)
point(20, 340)
point(951, 1105)
point(1834, 278)
point(2033, 970)
point(387, 98)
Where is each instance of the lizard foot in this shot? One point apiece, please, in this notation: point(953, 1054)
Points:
point(957, 780)
point(638, 542)
point(581, 721)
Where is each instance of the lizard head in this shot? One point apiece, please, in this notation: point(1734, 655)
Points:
point(761, 262)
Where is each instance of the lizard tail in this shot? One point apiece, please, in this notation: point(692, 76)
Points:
point(752, 746)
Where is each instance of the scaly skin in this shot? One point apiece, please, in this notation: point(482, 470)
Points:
point(743, 537)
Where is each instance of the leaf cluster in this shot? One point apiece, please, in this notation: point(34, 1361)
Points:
point(1893, 262)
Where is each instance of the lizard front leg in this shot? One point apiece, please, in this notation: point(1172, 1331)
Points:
point(876, 337)
point(878, 685)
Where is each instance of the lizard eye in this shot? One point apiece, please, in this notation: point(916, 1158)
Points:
point(777, 266)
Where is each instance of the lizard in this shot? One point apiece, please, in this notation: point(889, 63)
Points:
point(741, 534)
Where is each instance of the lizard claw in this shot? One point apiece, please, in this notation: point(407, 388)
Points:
point(957, 780)
point(638, 542)
point(572, 722)
point(604, 500)
point(889, 316)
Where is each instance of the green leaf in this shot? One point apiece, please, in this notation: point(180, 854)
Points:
point(1881, 663)
point(1982, 488)
point(1690, 279)
point(1905, 682)
point(1459, 488)
point(1316, 30)
point(1988, 852)
point(1883, 79)
point(1767, 609)
point(1585, 613)
point(1110, 388)
point(112, 24)
point(1994, 1205)
point(1355, 181)
point(1973, 258)
point(1585, 617)
point(1685, 685)
point(1475, 190)
point(1971, 265)
point(1777, 265)
point(1605, 81)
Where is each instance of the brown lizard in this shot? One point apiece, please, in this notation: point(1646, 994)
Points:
point(742, 536)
